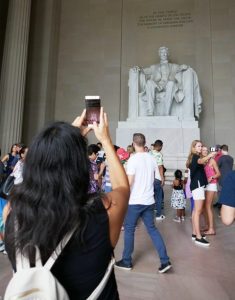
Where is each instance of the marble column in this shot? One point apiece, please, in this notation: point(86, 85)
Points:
point(13, 73)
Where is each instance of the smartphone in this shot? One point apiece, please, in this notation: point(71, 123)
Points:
point(213, 149)
point(92, 109)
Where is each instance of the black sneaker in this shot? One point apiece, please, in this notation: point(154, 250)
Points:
point(165, 267)
point(202, 242)
point(121, 265)
point(194, 236)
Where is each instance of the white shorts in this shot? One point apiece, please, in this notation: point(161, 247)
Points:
point(199, 193)
point(212, 187)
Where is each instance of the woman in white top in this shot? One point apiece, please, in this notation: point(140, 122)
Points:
point(17, 172)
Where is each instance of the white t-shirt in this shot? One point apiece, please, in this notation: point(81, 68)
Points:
point(142, 165)
point(18, 172)
point(159, 159)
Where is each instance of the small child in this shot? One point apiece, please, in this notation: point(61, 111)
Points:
point(178, 201)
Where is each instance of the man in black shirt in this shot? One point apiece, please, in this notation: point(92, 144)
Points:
point(225, 164)
point(227, 199)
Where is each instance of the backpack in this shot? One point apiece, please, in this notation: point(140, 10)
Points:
point(38, 283)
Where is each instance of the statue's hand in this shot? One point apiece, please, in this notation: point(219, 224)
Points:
point(199, 108)
point(161, 85)
point(183, 68)
point(136, 69)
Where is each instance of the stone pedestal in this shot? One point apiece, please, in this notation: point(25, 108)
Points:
point(177, 136)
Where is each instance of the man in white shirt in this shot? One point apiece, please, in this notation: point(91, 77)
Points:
point(159, 180)
point(141, 168)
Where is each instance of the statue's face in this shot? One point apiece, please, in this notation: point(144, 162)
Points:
point(163, 53)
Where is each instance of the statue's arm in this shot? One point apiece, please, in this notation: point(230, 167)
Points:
point(147, 71)
point(182, 68)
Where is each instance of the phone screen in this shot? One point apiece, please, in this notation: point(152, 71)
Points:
point(92, 109)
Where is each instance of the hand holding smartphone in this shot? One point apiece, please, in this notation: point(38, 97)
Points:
point(213, 149)
point(92, 109)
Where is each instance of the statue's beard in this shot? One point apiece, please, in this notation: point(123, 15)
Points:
point(164, 61)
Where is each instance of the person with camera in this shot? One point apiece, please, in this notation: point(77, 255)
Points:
point(56, 201)
point(212, 174)
point(198, 183)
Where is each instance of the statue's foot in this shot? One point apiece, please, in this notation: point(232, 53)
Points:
point(149, 113)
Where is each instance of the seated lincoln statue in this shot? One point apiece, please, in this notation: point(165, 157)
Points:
point(164, 89)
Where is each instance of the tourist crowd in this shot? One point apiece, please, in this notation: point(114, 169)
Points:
point(64, 185)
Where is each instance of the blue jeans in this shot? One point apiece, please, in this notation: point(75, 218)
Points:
point(158, 196)
point(146, 212)
point(107, 188)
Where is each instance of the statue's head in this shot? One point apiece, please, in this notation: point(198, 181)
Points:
point(163, 53)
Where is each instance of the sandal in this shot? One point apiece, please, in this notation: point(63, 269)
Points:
point(209, 232)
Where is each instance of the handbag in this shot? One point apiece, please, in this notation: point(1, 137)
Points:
point(8, 185)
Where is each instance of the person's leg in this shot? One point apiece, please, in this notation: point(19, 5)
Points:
point(192, 204)
point(150, 94)
point(179, 213)
point(131, 219)
point(182, 214)
point(158, 196)
point(209, 212)
point(193, 227)
point(198, 207)
point(168, 97)
point(147, 216)
point(177, 217)
point(204, 219)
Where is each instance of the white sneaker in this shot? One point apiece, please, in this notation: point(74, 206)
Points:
point(160, 218)
point(177, 219)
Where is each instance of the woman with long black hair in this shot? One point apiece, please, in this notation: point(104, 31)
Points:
point(53, 199)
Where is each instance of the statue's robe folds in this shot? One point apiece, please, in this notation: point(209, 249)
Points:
point(164, 90)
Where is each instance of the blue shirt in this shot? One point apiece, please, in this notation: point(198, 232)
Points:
point(227, 195)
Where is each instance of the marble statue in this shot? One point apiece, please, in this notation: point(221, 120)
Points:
point(164, 89)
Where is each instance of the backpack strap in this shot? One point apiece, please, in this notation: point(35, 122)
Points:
point(52, 259)
point(98, 290)
point(22, 262)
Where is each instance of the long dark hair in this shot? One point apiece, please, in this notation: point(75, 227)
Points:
point(53, 197)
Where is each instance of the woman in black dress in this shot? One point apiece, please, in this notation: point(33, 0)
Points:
point(53, 199)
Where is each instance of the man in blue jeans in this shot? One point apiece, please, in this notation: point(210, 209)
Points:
point(140, 170)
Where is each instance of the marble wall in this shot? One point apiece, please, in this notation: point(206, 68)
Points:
point(223, 63)
point(89, 60)
point(98, 41)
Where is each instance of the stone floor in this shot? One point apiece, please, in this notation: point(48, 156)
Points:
point(198, 273)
